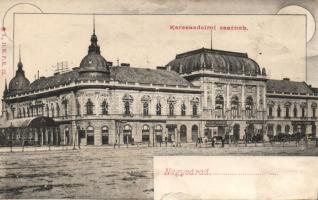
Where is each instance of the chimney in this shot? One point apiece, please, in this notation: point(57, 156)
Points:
point(162, 67)
point(125, 64)
point(286, 79)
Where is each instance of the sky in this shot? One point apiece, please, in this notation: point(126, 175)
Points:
point(275, 42)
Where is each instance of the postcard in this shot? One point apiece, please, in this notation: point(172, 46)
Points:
point(158, 100)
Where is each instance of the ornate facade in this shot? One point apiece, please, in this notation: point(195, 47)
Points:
point(200, 93)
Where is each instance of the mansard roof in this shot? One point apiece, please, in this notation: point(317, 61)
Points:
point(215, 60)
point(118, 73)
point(287, 86)
point(144, 75)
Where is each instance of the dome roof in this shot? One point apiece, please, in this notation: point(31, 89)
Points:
point(19, 82)
point(93, 62)
point(214, 60)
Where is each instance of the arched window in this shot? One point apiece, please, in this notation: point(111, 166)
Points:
point(219, 106)
point(90, 135)
point(287, 112)
point(171, 101)
point(104, 108)
point(47, 110)
point(57, 110)
point(127, 99)
point(89, 107)
point(65, 107)
point(249, 106)
point(104, 130)
point(171, 109)
point(145, 108)
point(235, 106)
point(313, 108)
point(90, 130)
point(105, 134)
point(270, 129)
point(194, 133)
point(295, 111)
point(127, 134)
point(183, 109)
point(287, 129)
point(278, 129)
point(287, 108)
point(195, 102)
point(270, 111)
point(158, 132)
point(52, 109)
point(19, 113)
point(126, 108)
point(158, 108)
point(303, 112)
point(145, 133)
point(279, 111)
point(195, 109)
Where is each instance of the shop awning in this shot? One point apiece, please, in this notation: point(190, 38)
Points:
point(31, 122)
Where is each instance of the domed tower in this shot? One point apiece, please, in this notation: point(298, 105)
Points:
point(94, 65)
point(19, 82)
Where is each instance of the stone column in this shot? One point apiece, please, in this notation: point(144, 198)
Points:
point(243, 96)
point(205, 99)
point(112, 133)
point(228, 96)
point(42, 135)
point(82, 105)
point(243, 102)
point(152, 135)
point(264, 98)
point(189, 133)
point(45, 130)
point(257, 97)
point(308, 129)
point(64, 137)
point(212, 95)
point(51, 135)
point(74, 134)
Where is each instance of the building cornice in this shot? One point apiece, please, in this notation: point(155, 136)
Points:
point(207, 73)
point(112, 85)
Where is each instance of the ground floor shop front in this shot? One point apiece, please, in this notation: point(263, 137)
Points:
point(45, 131)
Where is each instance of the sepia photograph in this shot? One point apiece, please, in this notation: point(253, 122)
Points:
point(159, 99)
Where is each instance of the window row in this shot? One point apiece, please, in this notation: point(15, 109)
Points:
point(287, 112)
point(235, 106)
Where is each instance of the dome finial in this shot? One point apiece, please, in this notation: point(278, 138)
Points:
point(19, 53)
point(94, 48)
point(20, 65)
point(94, 23)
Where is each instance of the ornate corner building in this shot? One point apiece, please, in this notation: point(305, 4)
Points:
point(200, 93)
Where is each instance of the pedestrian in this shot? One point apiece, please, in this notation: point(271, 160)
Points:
point(115, 143)
point(222, 142)
point(79, 139)
point(213, 142)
